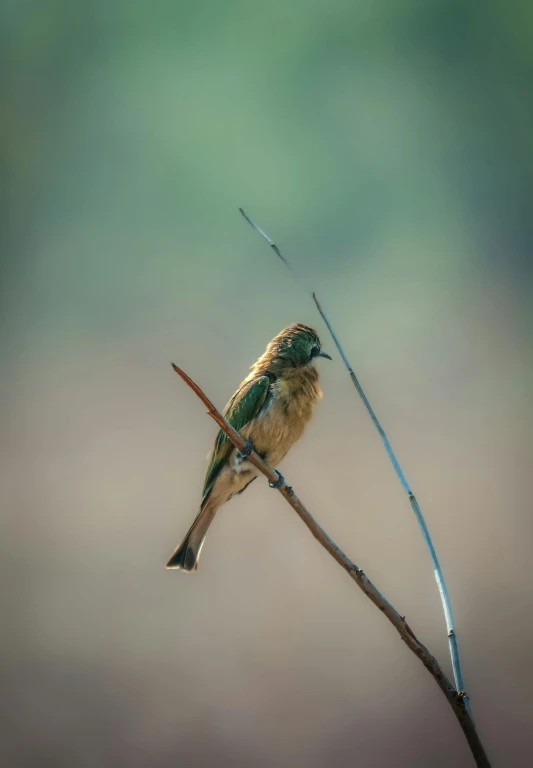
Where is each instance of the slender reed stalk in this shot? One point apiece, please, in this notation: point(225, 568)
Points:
point(455, 699)
point(437, 570)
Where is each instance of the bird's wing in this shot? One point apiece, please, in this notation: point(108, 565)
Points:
point(242, 408)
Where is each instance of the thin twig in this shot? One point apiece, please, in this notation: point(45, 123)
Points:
point(437, 570)
point(455, 699)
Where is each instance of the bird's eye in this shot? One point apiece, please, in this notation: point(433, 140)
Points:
point(315, 350)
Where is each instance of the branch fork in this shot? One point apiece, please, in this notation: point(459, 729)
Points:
point(456, 699)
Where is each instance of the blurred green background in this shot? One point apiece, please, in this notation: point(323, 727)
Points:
point(388, 148)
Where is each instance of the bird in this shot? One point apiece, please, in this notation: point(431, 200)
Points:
point(270, 410)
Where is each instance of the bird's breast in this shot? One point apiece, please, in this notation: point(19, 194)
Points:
point(283, 419)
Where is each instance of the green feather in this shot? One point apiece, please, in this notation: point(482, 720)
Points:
point(242, 408)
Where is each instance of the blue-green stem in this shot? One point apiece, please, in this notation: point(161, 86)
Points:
point(437, 570)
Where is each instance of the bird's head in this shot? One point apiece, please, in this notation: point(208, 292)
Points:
point(294, 347)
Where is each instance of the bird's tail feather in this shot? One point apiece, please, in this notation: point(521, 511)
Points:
point(186, 556)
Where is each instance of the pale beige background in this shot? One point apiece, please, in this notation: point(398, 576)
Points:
point(369, 146)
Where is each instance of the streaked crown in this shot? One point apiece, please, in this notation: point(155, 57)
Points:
point(293, 347)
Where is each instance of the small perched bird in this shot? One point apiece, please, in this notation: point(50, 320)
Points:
point(270, 410)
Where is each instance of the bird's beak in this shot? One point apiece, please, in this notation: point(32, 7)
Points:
point(323, 354)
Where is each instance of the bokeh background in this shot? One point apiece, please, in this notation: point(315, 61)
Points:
point(388, 148)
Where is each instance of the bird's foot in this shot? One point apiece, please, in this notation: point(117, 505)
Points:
point(247, 450)
point(280, 482)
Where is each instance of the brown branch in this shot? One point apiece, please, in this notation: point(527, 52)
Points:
point(455, 698)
